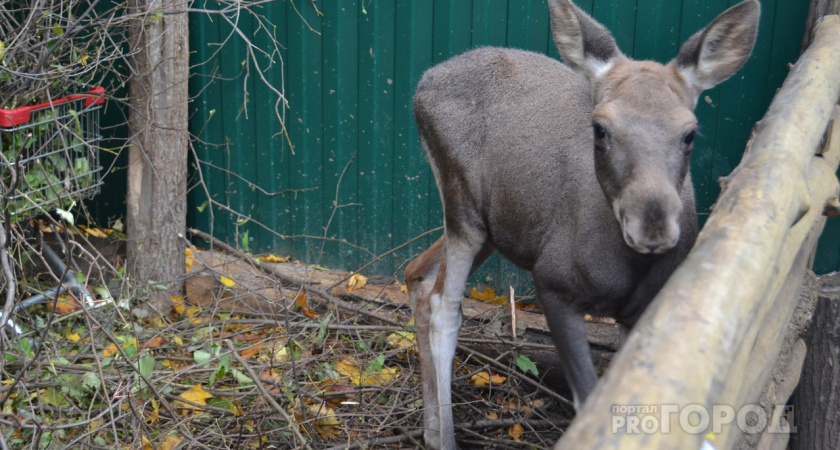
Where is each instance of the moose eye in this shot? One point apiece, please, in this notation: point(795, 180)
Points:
point(689, 138)
point(600, 132)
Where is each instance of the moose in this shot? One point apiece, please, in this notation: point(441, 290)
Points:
point(578, 173)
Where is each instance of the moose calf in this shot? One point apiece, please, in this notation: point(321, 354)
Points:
point(578, 173)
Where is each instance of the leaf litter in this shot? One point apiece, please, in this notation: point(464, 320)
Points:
point(314, 375)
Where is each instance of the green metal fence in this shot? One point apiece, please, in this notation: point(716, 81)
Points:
point(354, 182)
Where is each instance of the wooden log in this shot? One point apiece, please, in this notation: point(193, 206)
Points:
point(817, 10)
point(682, 350)
point(756, 360)
point(778, 380)
point(817, 402)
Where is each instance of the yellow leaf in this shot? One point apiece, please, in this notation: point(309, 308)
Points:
point(65, 305)
point(73, 337)
point(278, 353)
point(484, 379)
point(351, 369)
point(154, 414)
point(189, 312)
point(178, 341)
point(403, 287)
point(8, 382)
point(251, 351)
point(110, 350)
point(94, 232)
point(274, 259)
point(356, 281)
point(516, 432)
point(227, 281)
point(154, 342)
point(83, 60)
point(325, 422)
point(401, 340)
point(488, 295)
point(196, 395)
point(497, 379)
point(131, 342)
point(189, 260)
point(301, 301)
point(157, 321)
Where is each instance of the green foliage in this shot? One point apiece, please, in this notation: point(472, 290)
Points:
point(526, 365)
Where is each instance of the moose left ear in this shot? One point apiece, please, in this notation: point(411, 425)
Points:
point(715, 53)
point(585, 45)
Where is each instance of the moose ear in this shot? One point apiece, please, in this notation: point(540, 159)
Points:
point(715, 53)
point(585, 45)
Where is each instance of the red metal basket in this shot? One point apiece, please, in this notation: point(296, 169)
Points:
point(51, 152)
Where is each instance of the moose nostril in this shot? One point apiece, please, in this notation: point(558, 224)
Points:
point(653, 247)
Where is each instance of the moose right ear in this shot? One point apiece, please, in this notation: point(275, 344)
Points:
point(716, 52)
point(585, 45)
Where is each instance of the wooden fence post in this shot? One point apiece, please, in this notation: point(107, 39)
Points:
point(691, 348)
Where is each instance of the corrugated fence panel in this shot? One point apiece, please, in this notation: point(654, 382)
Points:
point(341, 100)
point(355, 183)
point(413, 185)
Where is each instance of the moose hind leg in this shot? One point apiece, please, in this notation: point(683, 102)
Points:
point(420, 276)
point(459, 255)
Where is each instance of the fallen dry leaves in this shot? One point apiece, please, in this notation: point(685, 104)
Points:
point(355, 374)
point(488, 295)
point(485, 379)
point(196, 395)
point(356, 281)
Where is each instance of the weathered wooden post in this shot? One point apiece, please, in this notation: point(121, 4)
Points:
point(711, 337)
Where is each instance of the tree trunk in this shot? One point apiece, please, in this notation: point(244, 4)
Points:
point(817, 400)
point(157, 169)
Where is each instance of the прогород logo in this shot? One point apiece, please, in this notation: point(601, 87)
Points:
point(698, 419)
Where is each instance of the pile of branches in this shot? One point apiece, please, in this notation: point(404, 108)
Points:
point(51, 48)
point(317, 371)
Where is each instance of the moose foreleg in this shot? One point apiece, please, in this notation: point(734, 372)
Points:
point(568, 330)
